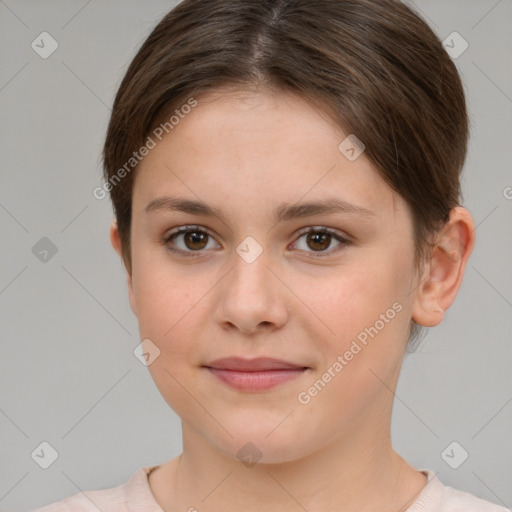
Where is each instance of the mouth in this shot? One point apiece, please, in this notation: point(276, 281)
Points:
point(257, 374)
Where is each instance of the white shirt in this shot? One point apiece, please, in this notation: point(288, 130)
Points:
point(135, 496)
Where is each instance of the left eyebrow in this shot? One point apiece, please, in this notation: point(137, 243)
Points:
point(283, 212)
point(327, 206)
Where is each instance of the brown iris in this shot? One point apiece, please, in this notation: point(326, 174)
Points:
point(318, 241)
point(195, 239)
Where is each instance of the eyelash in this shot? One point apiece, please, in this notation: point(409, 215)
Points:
point(318, 229)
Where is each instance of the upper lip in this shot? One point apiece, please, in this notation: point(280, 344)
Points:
point(253, 365)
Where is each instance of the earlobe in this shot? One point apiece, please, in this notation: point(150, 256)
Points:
point(115, 240)
point(445, 270)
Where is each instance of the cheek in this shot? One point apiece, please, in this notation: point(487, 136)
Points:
point(357, 300)
point(365, 350)
point(168, 308)
point(367, 311)
point(161, 293)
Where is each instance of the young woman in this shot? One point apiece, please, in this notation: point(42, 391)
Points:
point(285, 179)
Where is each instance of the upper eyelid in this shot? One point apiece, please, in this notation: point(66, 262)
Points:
point(179, 230)
point(319, 228)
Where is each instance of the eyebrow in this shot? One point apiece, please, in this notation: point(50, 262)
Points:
point(283, 212)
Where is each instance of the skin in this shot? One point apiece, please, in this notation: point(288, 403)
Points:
point(246, 152)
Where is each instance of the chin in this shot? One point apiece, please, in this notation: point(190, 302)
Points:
point(264, 442)
point(261, 451)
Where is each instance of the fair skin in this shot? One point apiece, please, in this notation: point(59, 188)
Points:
point(246, 154)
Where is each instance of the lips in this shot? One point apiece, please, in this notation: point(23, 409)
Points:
point(257, 374)
point(259, 364)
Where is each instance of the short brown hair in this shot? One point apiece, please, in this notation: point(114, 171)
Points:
point(374, 65)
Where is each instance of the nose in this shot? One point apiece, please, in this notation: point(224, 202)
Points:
point(251, 298)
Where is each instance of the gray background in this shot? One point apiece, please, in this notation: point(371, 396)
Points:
point(68, 375)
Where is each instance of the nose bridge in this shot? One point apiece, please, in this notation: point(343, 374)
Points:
point(251, 277)
point(251, 294)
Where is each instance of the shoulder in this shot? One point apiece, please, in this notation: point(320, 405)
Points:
point(455, 500)
point(134, 492)
point(437, 497)
point(89, 501)
point(78, 503)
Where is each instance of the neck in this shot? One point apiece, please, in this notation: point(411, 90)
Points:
point(351, 471)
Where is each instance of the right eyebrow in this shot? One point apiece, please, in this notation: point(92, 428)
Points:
point(184, 205)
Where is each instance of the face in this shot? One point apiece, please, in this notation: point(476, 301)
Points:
point(325, 290)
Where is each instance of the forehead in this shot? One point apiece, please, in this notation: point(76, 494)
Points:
point(254, 149)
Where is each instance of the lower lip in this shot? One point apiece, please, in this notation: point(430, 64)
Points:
point(256, 381)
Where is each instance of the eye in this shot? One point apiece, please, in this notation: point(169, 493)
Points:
point(188, 240)
point(191, 240)
point(319, 239)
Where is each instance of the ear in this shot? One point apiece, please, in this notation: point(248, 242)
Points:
point(444, 271)
point(115, 240)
